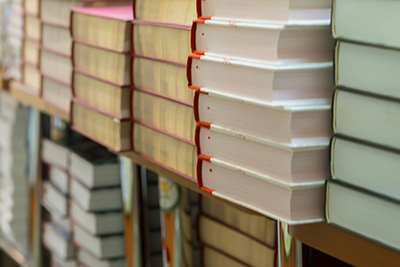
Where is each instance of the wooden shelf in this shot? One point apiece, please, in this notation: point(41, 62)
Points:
point(344, 245)
point(21, 93)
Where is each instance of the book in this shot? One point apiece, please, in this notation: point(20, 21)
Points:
point(56, 261)
point(56, 93)
point(360, 164)
point(172, 152)
point(32, 28)
point(56, 65)
point(59, 178)
point(291, 203)
point(54, 200)
point(227, 240)
point(108, 131)
point(263, 42)
point(97, 223)
point(102, 247)
point(290, 125)
point(161, 77)
point(88, 259)
point(94, 166)
point(367, 68)
point(367, 118)
point(263, 82)
point(55, 154)
point(101, 199)
point(161, 41)
point(293, 164)
point(57, 38)
point(32, 7)
point(107, 97)
point(252, 224)
point(108, 65)
point(212, 257)
point(58, 242)
point(31, 51)
point(368, 22)
point(364, 213)
point(172, 11)
point(105, 27)
point(257, 10)
point(64, 223)
point(31, 77)
point(169, 115)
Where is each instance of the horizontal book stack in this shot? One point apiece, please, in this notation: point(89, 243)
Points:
point(230, 237)
point(56, 48)
point(262, 76)
point(14, 186)
point(163, 124)
point(101, 74)
point(363, 195)
point(31, 44)
point(83, 195)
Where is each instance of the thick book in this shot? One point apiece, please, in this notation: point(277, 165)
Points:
point(31, 51)
point(101, 199)
point(31, 7)
point(54, 200)
point(55, 154)
point(31, 77)
point(32, 28)
point(270, 42)
point(263, 82)
point(104, 27)
point(307, 162)
point(56, 93)
point(366, 166)
point(57, 38)
point(235, 244)
point(370, 22)
point(95, 167)
point(372, 216)
point(213, 257)
point(58, 241)
point(367, 68)
point(56, 65)
point(102, 247)
point(294, 125)
point(88, 259)
point(164, 41)
point(100, 127)
point(56, 261)
point(293, 203)
point(368, 118)
point(265, 10)
point(161, 77)
point(181, 12)
point(97, 223)
point(59, 178)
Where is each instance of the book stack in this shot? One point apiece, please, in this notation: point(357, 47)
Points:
point(14, 38)
point(14, 186)
point(56, 49)
point(262, 73)
point(101, 74)
point(164, 133)
point(363, 195)
point(83, 196)
point(230, 237)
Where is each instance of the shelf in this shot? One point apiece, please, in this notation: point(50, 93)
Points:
point(22, 94)
point(344, 245)
point(14, 253)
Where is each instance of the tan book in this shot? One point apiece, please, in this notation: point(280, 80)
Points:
point(157, 40)
point(31, 7)
point(235, 244)
point(252, 224)
point(31, 51)
point(166, 114)
point(170, 11)
point(57, 93)
point(107, 65)
point(109, 98)
point(176, 154)
point(32, 27)
point(56, 65)
point(212, 257)
point(57, 38)
point(108, 131)
point(31, 77)
point(161, 77)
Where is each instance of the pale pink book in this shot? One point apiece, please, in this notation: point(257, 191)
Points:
point(263, 42)
point(294, 124)
point(124, 13)
point(289, 203)
point(266, 10)
point(292, 165)
point(261, 81)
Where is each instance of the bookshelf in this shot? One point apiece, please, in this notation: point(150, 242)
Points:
point(344, 245)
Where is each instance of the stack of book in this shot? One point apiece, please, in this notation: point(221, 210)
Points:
point(14, 38)
point(14, 186)
point(230, 237)
point(364, 194)
point(83, 195)
point(56, 49)
point(163, 133)
point(263, 81)
point(101, 74)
